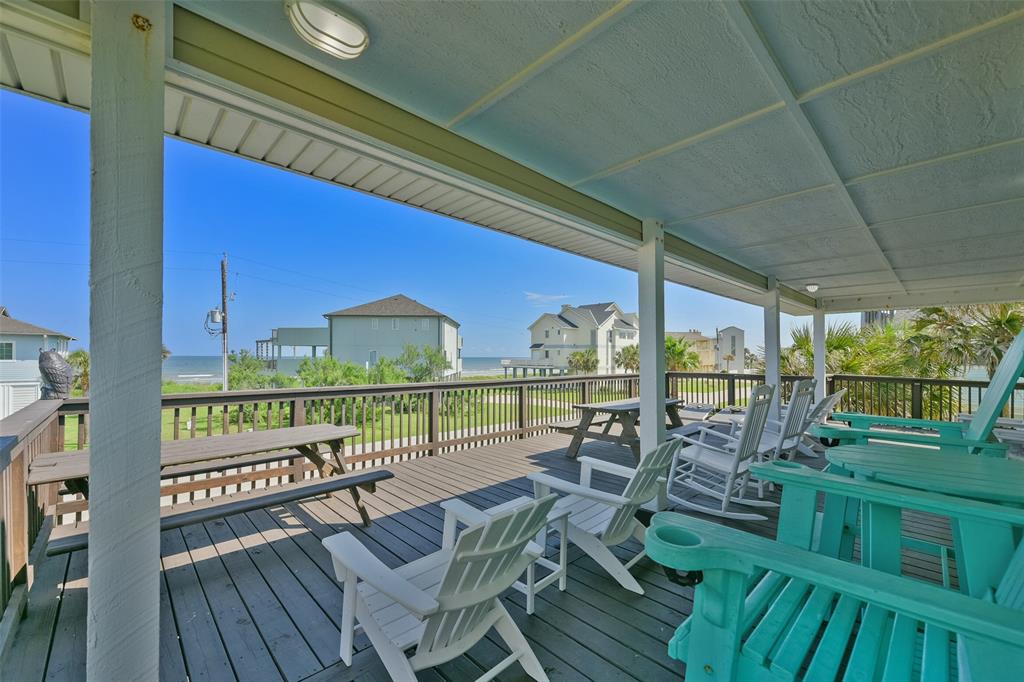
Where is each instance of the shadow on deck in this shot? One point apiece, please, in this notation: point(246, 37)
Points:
point(253, 597)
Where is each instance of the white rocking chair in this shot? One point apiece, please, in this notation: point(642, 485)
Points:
point(819, 414)
point(599, 520)
point(442, 604)
point(722, 469)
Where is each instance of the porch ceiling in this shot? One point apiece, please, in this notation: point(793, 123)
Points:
point(875, 150)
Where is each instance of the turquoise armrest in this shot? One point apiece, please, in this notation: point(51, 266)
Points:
point(793, 475)
point(847, 434)
point(690, 544)
point(859, 420)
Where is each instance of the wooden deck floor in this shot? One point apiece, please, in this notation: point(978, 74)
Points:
point(253, 597)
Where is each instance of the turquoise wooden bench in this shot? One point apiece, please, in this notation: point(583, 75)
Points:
point(799, 624)
point(766, 610)
point(971, 436)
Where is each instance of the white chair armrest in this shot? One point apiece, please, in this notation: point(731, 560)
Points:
point(686, 439)
point(543, 483)
point(463, 512)
point(603, 466)
point(349, 553)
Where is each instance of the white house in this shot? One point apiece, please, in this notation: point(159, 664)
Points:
point(729, 351)
point(601, 326)
point(20, 344)
point(382, 329)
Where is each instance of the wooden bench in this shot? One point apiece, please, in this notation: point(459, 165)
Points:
point(569, 426)
point(74, 537)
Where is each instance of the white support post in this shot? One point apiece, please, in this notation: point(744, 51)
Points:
point(651, 290)
point(819, 335)
point(126, 300)
point(772, 342)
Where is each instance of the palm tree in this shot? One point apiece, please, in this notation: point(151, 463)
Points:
point(584, 361)
point(79, 359)
point(629, 359)
point(679, 355)
point(164, 352)
point(967, 335)
point(728, 358)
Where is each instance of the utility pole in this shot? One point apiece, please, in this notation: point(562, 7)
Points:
point(224, 318)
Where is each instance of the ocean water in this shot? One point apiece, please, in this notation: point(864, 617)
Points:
point(206, 369)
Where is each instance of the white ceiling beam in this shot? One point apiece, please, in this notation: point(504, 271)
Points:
point(915, 54)
point(945, 158)
point(556, 53)
point(937, 297)
point(762, 53)
point(932, 214)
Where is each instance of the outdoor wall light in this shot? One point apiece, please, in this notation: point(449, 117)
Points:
point(811, 288)
point(326, 29)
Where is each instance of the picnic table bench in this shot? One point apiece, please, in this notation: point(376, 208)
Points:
point(73, 537)
point(215, 453)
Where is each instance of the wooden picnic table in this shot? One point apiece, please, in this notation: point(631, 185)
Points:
point(72, 467)
point(626, 413)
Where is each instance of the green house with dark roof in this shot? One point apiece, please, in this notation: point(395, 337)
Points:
point(381, 329)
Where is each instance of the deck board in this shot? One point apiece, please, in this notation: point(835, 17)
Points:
point(254, 596)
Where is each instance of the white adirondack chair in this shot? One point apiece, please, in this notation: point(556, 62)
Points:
point(599, 520)
point(718, 465)
point(442, 604)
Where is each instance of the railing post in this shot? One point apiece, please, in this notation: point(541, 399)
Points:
point(584, 391)
point(298, 416)
point(916, 411)
point(731, 390)
point(524, 412)
point(434, 422)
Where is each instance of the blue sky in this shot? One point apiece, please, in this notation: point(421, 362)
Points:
point(297, 248)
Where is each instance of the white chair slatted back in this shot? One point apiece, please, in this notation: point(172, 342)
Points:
point(642, 488)
point(820, 413)
point(486, 560)
point(758, 406)
point(1003, 382)
point(796, 411)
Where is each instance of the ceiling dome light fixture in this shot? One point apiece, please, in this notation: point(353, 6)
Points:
point(811, 288)
point(326, 29)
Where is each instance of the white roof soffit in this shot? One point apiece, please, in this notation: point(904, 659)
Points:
point(46, 55)
point(883, 217)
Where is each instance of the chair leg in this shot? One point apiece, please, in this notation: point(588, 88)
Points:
point(348, 616)
point(507, 630)
point(605, 559)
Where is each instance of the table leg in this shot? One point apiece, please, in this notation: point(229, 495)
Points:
point(337, 453)
point(673, 415)
point(581, 430)
point(629, 436)
point(358, 503)
point(322, 466)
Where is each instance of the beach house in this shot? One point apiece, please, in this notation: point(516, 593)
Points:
point(601, 326)
point(381, 329)
point(729, 349)
point(20, 345)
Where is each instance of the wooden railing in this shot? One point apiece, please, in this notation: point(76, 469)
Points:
point(23, 510)
point(395, 422)
point(719, 389)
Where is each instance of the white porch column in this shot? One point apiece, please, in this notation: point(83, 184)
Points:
point(651, 290)
point(771, 341)
point(126, 298)
point(819, 335)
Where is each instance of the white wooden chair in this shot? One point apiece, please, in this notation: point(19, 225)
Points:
point(442, 604)
point(599, 520)
point(718, 465)
point(818, 414)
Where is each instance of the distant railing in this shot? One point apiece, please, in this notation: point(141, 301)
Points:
point(395, 422)
point(918, 398)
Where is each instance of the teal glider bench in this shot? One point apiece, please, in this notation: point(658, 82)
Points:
point(972, 436)
point(794, 608)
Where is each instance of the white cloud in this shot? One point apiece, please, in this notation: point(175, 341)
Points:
point(544, 299)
